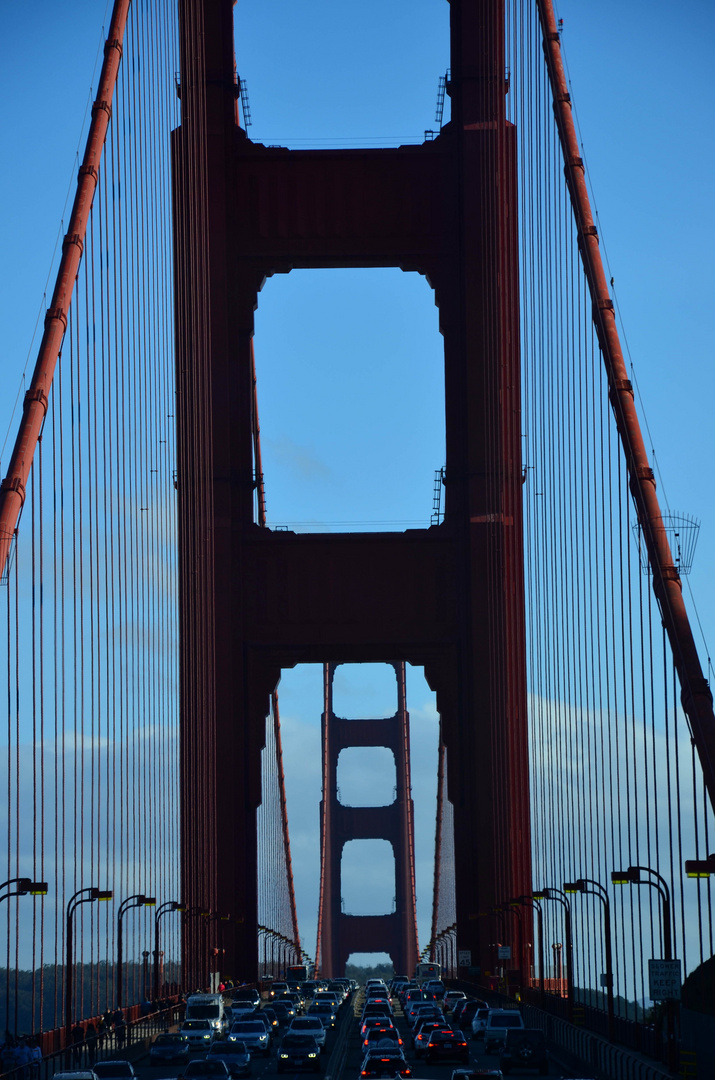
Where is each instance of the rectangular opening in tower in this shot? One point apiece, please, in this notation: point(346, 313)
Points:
point(350, 381)
point(300, 694)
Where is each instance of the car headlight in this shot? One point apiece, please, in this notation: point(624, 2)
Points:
point(312, 1055)
point(284, 1055)
point(206, 1036)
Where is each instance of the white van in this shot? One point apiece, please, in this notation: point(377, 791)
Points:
point(498, 1023)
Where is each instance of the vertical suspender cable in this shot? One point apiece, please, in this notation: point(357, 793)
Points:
point(696, 695)
point(12, 490)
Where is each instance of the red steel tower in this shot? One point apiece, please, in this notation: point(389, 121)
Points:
point(448, 598)
point(340, 934)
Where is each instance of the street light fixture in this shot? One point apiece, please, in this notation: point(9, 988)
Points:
point(24, 886)
point(700, 867)
point(74, 901)
point(582, 886)
point(138, 900)
point(161, 911)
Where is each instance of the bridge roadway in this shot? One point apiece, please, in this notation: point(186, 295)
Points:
point(342, 1057)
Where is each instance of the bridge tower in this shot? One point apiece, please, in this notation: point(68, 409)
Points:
point(448, 598)
point(341, 934)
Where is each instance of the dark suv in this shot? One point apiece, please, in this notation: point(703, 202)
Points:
point(524, 1048)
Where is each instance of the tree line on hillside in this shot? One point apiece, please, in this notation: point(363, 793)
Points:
point(31, 1002)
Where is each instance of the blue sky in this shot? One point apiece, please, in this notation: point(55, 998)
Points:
point(323, 74)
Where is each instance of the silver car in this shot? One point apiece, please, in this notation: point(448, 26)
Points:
point(308, 1025)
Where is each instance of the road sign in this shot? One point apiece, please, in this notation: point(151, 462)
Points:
point(504, 952)
point(464, 957)
point(664, 980)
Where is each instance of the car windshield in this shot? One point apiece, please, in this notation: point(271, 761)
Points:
point(113, 1068)
point(169, 1040)
point(248, 1027)
point(205, 1068)
point(204, 1012)
point(509, 1021)
point(220, 1048)
point(294, 1042)
point(196, 1025)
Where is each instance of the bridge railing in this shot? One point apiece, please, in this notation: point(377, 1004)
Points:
point(57, 1056)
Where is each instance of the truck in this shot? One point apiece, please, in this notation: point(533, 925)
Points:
point(207, 1007)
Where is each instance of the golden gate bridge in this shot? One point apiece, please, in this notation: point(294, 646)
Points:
point(149, 609)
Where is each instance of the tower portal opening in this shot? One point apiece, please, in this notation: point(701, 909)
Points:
point(350, 377)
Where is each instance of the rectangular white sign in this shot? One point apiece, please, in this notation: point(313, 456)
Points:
point(464, 957)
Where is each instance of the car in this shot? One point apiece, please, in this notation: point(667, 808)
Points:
point(381, 1021)
point(234, 1054)
point(384, 1063)
point(376, 1009)
point(246, 993)
point(279, 988)
point(169, 1048)
point(114, 1070)
point(284, 1011)
point(424, 1032)
point(423, 1013)
point(76, 1074)
point(325, 1011)
point(299, 1052)
point(524, 1048)
point(262, 1016)
point(451, 998)
point(270, 1014)
point(241, 1009)
point(295, 999)
point(381, 1037)
point(198, 1032)
point(447, 1046)
point(421, 1008)
point(309, 1025)
point(464, 1012)
point(477, 1074)
point(479, 1022)
point(206, 1070)
point(253, 1033)
point(499, 1022)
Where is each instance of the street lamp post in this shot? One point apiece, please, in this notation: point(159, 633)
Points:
point(75, 900)
point(536, 906)
point(633, 876)
point(582, 886)
point(556, 894)
point(138, 900)
point(557, 948)
point(161, 911)
point(515, 909)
